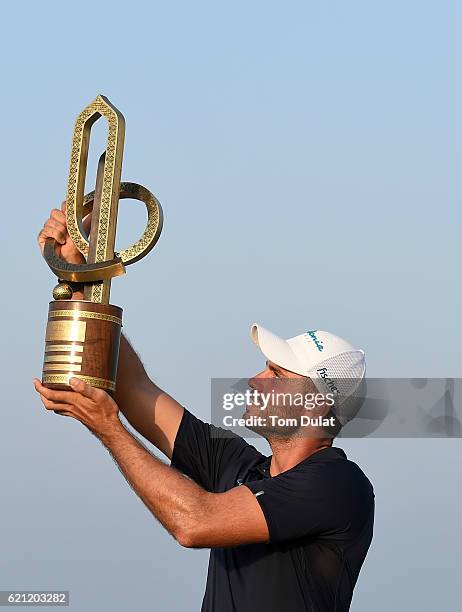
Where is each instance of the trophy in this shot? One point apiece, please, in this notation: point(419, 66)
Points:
point(83, 336)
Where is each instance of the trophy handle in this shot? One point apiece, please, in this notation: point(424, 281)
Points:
point(80, 273)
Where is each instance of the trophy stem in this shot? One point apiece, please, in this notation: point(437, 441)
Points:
point(82, 340)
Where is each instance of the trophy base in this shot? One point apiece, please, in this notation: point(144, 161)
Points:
point(82, 340)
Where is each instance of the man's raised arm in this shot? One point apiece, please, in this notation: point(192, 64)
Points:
point(151, 411)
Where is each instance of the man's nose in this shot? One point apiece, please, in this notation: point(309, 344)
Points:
point(257, 382)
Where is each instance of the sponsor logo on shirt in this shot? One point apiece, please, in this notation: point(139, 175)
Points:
point(316, 340)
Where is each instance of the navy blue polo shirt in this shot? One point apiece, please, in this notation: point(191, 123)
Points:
point(320, 516)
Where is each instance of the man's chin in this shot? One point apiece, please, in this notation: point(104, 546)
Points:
point(252, 416)
point(258, 422)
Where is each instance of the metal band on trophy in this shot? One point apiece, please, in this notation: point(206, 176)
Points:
point(83, 336)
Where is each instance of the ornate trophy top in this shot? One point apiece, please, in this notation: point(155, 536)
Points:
point(102, 262)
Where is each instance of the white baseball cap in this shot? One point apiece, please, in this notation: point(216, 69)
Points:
point(332, 363)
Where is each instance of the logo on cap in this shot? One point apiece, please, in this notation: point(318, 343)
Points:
point(316, 340)
point(330, 382)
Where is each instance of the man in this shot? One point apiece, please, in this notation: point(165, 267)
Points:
point(287, 532)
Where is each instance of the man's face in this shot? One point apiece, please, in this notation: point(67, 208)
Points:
point(278, 401)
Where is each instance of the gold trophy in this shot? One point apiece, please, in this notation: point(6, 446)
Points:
point(83, 336)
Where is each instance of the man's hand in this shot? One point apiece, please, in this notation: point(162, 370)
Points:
point(92, 407)
point(55, 227)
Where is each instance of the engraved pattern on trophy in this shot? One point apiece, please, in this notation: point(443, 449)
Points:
point(83, 336)
point(153, 228)
point(109, 177)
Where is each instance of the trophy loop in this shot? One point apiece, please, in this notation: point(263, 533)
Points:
point(153, 229)
point(91, 272)
point(110, 175)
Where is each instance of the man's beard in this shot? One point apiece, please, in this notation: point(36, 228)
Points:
point(279, 421)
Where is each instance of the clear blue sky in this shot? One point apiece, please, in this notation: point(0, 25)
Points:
point(307, 156)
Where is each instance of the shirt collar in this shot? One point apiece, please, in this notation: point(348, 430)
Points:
point(331, 452)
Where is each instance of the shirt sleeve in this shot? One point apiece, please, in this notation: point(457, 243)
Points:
point(312, 501)
point(210, 455)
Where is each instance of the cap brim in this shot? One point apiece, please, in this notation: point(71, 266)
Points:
point(276, 349)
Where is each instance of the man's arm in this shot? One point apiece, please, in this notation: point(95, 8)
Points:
point(195, 517)
point(151, 411)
